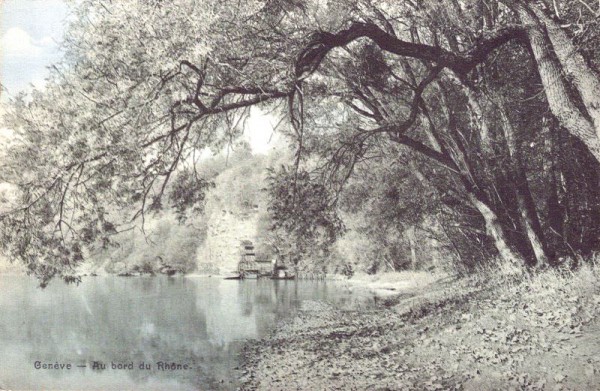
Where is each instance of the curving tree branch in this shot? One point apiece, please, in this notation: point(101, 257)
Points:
point(321, 43)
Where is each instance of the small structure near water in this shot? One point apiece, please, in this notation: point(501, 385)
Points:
point(250, 267)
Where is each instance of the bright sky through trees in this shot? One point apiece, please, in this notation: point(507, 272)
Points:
point(30, 36)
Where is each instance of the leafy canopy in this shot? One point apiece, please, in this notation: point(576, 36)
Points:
point(146, 85)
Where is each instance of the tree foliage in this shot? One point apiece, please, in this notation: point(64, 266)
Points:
point(484, 104)
point(303, 218)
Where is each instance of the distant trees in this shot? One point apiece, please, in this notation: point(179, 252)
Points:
point(491, 108)
point(303, 218)
point(174, 237)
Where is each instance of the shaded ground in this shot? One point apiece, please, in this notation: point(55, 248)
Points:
point(538, 333)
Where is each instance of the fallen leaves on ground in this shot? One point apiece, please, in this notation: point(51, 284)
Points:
point(459, 337)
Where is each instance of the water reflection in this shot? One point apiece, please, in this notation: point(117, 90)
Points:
point(201, 322)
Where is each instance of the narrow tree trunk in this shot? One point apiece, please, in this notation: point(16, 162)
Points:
point(495, 230)
point(474, 193)
point(525, 204)
point(478, 120)
point(555, 86)
point(413, 246)
point(537, 243)
point(531, 244)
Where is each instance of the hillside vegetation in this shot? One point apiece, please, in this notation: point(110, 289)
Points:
point(204, 239)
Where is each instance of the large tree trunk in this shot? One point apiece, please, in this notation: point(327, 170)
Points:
point(584, 79)
point(557, 213)
point(555, 87)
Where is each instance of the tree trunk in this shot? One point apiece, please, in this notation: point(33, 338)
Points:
point(474, 192)
point(584, 79)
point(478, 199)
point(525, 203)
point(531, 244)
point(550, 70)
point(478, 120)
point(495, 230)
point(412, 238)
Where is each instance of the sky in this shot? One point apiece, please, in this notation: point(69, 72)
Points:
point(30, 35)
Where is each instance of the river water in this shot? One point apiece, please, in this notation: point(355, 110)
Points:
point(115, 332)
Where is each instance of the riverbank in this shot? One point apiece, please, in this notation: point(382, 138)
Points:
point(499, 330)
point(392, 283)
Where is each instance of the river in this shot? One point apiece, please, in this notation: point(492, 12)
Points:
point(141, 333)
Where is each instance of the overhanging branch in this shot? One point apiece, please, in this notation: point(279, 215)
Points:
point(322, 42)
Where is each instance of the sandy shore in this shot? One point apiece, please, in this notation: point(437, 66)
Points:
point(462, 335)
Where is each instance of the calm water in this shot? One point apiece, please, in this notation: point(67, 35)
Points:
point(198, 322)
